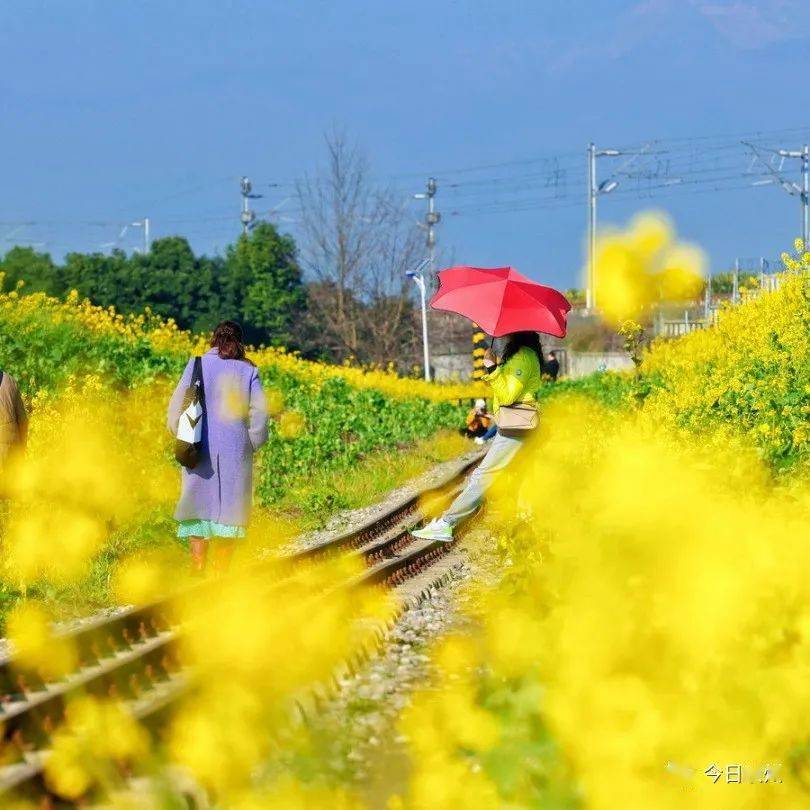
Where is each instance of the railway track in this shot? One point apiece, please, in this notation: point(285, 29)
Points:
point(132, 656)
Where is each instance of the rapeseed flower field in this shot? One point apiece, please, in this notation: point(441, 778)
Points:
point(750, 374)
point(98, 484)
point(326, 417)
point(46, 339)
point(647, 643)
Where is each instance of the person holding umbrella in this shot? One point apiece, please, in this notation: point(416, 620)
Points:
point(503, 303)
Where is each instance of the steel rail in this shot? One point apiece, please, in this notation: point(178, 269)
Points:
point(132, 654)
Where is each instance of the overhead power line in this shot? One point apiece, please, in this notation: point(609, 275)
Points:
point(659, 168)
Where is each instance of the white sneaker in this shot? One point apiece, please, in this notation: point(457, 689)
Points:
point(479, 440)
point(437, 529)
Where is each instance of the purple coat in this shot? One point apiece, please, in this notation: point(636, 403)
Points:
point(220, 487)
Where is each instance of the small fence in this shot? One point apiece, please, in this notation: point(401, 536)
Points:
point(676, 329)
point(706, 315)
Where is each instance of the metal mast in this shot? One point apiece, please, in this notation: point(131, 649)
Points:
point(794, 189)
point(247, 216)
point(144, 223)
point(802, 192)
point(594, 190)
point(432, 218)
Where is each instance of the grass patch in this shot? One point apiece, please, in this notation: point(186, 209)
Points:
point(312, 502)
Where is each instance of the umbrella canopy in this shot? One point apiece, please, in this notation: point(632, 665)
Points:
point(501, 300)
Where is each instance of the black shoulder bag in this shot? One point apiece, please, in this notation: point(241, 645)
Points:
point(188, 444)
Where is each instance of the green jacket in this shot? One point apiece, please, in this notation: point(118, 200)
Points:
point(517, 380)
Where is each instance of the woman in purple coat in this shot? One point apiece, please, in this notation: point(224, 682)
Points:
point(217, 494)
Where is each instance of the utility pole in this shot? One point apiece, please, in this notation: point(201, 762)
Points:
point(707, 299)
point(432, 218)
point(594, 190)
point(735, 283)
point(806, 195)
point(802, 191)
point(247, 216)
point(144, 223)
point(763, 273)
point(794, 189)
point(589, 284)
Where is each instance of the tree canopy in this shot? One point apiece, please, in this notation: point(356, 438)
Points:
point(257, 283)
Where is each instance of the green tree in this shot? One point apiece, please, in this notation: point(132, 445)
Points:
point(101, 278)
point(262, 286)
point(168, 280)
point(36, 270)
point(723, 283)
point(258, 283)
point(208, 294)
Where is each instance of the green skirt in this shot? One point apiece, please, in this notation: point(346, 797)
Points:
point(208, 529)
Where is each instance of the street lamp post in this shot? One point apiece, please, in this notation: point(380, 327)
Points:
point(419, 279)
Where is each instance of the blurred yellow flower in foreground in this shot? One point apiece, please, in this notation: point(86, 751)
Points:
point(99, 735)
point(255, 646)
point(232, 401)
point(35, 646)
point(291, 424)
point(682, 273)
point(94, 463)
point(144, 578)
point(642, 265)
point(275, 401)
point(657, 613)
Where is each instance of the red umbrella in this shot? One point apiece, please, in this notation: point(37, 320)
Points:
point(501, 300)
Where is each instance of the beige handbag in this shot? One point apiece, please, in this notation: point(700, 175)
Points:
point(516, 418)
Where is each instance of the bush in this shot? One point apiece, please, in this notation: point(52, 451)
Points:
point(340, 425)
point(610, 388)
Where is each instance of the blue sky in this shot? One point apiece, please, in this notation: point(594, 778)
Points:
point(113, 111)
